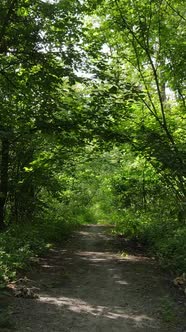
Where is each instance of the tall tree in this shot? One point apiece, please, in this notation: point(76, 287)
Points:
point(141, 50)
point(38, 54)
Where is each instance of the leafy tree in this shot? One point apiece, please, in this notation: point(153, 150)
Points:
point(139, 49)
point(39, 42)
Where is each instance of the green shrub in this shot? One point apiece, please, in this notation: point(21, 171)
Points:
point(22, 242)
point(171, 250)
point(163, 235)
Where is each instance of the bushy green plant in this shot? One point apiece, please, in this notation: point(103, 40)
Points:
point(171, 250)
point(164, 237)
point(130, 223)
point(17, 246)
point(22, 242)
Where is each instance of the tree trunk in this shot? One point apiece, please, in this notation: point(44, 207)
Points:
point(3, 179)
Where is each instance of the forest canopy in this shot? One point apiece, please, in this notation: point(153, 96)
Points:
point(92, 119)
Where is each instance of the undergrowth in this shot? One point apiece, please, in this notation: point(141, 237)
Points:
point(22, 243)
point(164, 237)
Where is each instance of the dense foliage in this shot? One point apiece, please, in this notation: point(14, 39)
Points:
point(92, 123)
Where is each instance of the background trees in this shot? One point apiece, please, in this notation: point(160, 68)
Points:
point(140, 49)
point(38, 57)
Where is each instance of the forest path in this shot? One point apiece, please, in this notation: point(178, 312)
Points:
point(88, 286)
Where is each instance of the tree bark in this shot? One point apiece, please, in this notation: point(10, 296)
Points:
point(3, 179)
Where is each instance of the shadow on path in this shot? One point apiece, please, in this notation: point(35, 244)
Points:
point(89, 286)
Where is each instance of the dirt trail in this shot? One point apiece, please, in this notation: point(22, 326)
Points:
point(89, 287)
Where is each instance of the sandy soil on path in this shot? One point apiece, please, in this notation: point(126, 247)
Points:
point(88, 286)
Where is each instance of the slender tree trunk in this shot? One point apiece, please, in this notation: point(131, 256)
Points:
point(144, 201)
point(3, 179)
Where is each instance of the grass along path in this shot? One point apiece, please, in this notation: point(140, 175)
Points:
point(89, 286)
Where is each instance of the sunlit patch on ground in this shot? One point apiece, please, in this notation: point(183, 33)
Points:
point(79, 306)
point(95, 256)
